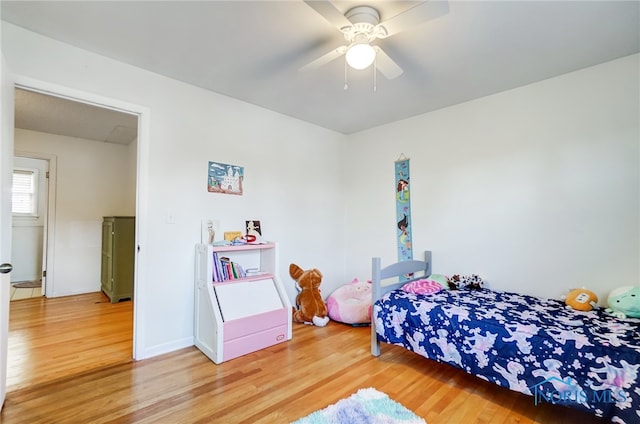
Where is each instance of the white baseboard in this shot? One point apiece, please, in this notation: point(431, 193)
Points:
point(161, 349)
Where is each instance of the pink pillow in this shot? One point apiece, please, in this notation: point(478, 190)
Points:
point(422, 286)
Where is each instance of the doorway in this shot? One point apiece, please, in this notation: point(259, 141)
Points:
point(99, 178)
point(29, 226)
point(95, 148)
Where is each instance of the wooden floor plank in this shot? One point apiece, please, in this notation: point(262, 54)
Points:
point(49, 338)
point(87, 375)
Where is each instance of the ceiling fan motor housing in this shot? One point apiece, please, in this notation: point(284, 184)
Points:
point(363, 14)
point(365, 20)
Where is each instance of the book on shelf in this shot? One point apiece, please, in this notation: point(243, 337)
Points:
point(224, 269)
point(251, 272)
point(217, 270)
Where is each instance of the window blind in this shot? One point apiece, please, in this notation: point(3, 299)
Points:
point(23, 192)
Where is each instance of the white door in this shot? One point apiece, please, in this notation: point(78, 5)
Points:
point(6, 171)
point(28, 229)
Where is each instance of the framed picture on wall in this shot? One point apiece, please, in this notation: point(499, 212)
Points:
point(225, 178)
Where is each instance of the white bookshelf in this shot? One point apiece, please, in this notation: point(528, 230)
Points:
point(239, 316)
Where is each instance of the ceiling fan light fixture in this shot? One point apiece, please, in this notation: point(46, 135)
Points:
point(360, 56)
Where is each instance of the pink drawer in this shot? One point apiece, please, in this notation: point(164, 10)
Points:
point(253, 342)
point(256, 323)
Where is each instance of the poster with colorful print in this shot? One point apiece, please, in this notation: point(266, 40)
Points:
point(225, 178)
point(403, 209)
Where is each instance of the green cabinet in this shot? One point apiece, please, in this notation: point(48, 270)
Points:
point(118, 257)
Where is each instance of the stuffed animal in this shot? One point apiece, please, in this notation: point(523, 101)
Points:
point(351, 303)
point(471, 282)
point(581, 299)
point(311, 308)
point(624, 302)
point(441, 279)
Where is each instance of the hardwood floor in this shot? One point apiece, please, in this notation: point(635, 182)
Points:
point(69, 362)
point(54, 338)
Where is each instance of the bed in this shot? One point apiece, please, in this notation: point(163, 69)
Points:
point(585, 360)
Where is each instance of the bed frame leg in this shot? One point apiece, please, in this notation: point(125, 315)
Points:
point(375, 349)
point(375, 343)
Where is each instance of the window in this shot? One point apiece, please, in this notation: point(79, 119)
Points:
point(25, 192)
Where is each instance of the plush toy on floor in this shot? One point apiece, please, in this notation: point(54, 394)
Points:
point(624, 302)
point(311, 308)
point(351, 303)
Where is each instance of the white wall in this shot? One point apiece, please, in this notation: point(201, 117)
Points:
point(131, 167)
point(92, 182)
point(535, 189)
point(293, 178)
point(531, 188)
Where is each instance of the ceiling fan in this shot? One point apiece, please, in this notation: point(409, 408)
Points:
point(361, 27)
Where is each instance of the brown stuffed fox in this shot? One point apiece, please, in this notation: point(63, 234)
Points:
point(311, 308)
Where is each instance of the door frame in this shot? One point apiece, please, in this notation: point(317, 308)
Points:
point(7, 107)
point(48, 241)
point(142, 181)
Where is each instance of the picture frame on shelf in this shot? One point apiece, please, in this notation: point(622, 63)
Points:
point(209, 229)
point(253, 231)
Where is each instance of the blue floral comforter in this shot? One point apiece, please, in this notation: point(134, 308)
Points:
point(586, 360)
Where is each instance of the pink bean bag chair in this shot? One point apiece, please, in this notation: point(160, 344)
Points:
point(351, 303)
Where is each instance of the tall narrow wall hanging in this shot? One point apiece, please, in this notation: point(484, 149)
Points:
point(225, 178)
point(403, 209)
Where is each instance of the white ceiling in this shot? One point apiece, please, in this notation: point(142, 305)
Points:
point(55, 115)
point(252, 50)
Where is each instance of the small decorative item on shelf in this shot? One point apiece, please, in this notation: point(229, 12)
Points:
point(232, 235)
point(254, 232)
point(209, 229)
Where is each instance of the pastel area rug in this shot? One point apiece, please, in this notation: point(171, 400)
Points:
point(366, 406)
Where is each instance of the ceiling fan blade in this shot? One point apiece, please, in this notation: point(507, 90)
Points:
point(329, 12)
point(419, 14)
point(324, 59)
point(386, 65)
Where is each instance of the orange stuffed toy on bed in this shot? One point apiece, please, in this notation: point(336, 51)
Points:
point(311, 307)
point(581, 299)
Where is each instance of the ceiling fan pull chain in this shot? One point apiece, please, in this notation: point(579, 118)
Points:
point(375, 82)
point(346, 87)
